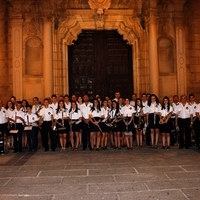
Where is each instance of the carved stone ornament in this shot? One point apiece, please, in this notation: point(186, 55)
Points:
point(97, 4)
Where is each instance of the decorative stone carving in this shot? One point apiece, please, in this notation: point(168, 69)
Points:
point(166, 22)
point(97, 4)
point(144, 14)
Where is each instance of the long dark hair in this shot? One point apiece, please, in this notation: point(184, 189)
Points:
point(141, 105)
point(98, 106)
point(13, 105)
point(117, 107)
point(58, 108)
point(149, 101)
point(76, 110)
point(163, 105)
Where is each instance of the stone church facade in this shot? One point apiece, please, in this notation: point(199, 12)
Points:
point(35, 36)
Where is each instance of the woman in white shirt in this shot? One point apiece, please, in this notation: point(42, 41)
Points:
point(75, 118)
point(165, 122)
point(153, 117)
point(60, 117)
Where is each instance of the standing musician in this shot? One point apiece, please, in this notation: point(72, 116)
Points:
point(194, 128)
point(146, 128)
point(75, 117)
point(54, 103)
point(10, 108)
point(165, 122)
point(122, 136)
point(128, 116)
point(3, 126)
point(35, 109)
point(95, 119)
point(174, 131)
point(18, 119)
point(184, 119)
point(153, 117)
point(61, 115)
point(116, 124)
point(46, 115)
point(197, 136)
point(139, 121)
point(85, 110)
point(31, 120)
point(105, 129)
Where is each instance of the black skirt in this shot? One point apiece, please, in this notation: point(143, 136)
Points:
point(154, 121)
point(104, 127)
point(76, 126)
point(93, 127)
point(140, 125)
point(128, 128)
point(166, 128)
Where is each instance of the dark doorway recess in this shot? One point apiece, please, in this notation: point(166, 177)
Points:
point(100, 62)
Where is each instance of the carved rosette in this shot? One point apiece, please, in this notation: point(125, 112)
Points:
point(99, 6)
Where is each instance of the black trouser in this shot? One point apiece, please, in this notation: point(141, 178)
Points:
point(85, 134)
point(196, 127)
point(47, 129)
point(36, 135)
point(18, 143)
point(184, 129)
point(148, 136)
point(3, 130)
point(31, 138)
point(173, 133)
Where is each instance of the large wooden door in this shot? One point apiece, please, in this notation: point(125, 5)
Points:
point(100, 62)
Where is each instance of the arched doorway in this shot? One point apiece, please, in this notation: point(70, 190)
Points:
point(100, 62)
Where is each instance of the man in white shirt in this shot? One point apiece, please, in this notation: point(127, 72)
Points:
point(184, 119)
point(3, 126)
point(85, 110)
point(46, 115)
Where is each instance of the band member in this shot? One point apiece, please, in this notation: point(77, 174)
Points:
point(61, 116)
point(3, 126)
point(197, 136)
point(67, 102)
point(24, 135)
point(116, 124)
point(46, 116)
point(75, 118)
point(95, 119)
point(105, 129)
point(31, 121)
point(153, 117)
point(194, 129)
point(54, 103)
point(174, 132)
point(184, 119)
point(165, 122)
point(85, 110)
point(128, 116)
point(146, 130)
point(35, 109)
point(133, 99)
point(139, 121)
point(10, 108)
point(117, 96)
point(18, 119)
point(79, 101)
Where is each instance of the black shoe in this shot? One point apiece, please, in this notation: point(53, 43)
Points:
point(187, 147)
point(168, 147)
point(84, 149)
point(163, 147)
point(53, 150)
point(15, 151)
point(97, 149)
point(180, 147)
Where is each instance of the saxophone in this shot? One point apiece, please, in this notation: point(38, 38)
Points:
point(163, 119)
point(140, 120)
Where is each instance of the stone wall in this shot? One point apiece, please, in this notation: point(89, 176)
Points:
point(192, 14)
point(5, 72)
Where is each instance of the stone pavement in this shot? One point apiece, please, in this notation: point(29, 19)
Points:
point(109, 175)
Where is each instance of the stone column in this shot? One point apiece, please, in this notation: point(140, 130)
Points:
point(48, 59)
point(181, 54)
point(17, 56)
point(153, 50)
